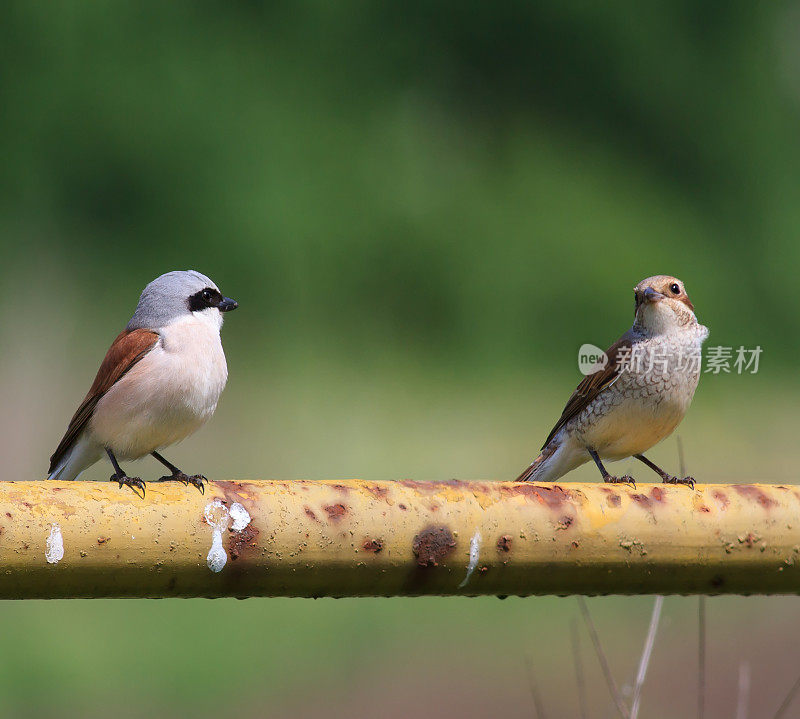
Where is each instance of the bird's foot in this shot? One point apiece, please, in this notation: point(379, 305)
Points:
point(135, 483)
point(688, 481)
point(624, 479)
point(196, 480)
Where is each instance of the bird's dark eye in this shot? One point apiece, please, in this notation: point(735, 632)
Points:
point(675, 288)
point(204, 299)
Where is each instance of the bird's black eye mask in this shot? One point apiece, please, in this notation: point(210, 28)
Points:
point(209, 297)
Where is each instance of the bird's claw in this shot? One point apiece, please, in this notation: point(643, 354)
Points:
point(196, 480)
point(135, 483)
point(688, 481)
point(625, 479)
point(177, 477)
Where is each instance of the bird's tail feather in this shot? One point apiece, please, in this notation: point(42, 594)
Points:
point(531, 469)
point(549, 465)
point(80, 456)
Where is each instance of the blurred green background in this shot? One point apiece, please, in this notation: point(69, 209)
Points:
point(423, 208)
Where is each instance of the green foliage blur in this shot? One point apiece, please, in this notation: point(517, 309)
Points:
point(424, 209)
point(467, 182)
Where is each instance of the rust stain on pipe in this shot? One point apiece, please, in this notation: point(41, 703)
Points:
point(432, 545)
point(363, 538)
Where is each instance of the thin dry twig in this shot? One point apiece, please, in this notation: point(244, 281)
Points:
point(786, 702)
point(701, 658)
point(537, 699)
point(701, 617)
point(579, 680)
point(743, 695)
point(646, 653)
point(681, 462)
point(601, 657)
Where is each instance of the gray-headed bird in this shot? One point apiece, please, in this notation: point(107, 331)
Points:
point(159, 382)
point(639, 393)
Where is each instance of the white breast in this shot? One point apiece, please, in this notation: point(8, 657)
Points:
point(643, 407)
point(168, 394)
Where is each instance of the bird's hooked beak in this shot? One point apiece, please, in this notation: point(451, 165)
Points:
point(227, 305)
point(648, 295)
point(651, 295)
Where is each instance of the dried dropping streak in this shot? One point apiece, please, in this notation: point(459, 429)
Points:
point(54, 552)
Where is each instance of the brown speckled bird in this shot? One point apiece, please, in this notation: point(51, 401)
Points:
point(638, 397)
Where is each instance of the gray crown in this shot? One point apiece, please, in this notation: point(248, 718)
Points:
point(165, 299)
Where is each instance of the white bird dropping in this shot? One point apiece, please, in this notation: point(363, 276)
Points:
point(240, 517)
point(216, 515)
point(474, 556)
point(54, 545)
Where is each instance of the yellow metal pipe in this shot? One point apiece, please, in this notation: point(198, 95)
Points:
point(362, 538)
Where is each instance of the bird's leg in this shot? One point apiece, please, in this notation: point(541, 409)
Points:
point(665, 478)
point(119, 476)
point(196, 480)
point(610, 478)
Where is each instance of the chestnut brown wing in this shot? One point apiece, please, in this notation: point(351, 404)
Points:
point(125, 351)
point(592, 385)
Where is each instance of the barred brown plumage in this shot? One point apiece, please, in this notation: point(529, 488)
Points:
point(639, 396)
